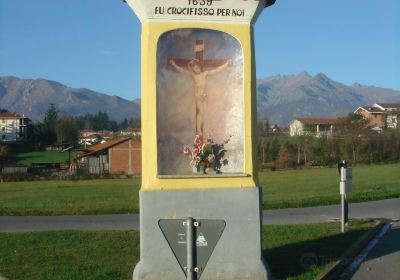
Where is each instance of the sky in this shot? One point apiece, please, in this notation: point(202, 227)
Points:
point(95, 44)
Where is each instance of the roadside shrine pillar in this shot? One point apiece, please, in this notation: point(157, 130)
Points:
point(200, 211)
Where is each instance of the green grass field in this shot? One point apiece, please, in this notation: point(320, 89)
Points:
point(42, 157)
point(293, 252)
point(320, 186)
point(69, 197)
point(281, 189)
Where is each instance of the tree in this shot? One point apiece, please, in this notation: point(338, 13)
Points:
point(101, 121)
point(332, 151)
point(46, 129)
point(283, 157)
point(321, 151)
point(4, 153)
point(50, 117)
point(263, 128)
point(299, 144)
point(275, 146)
point(136, 123)
point(303, 145)
point(263, 149)
point(351, 130)
point(389, 151)
point(124, 124)
point(66, 131)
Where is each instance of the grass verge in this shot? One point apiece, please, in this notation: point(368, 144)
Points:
point(292, 251)
point(304, 251)
point(281, 189)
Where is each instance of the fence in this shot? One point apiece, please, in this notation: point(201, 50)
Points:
point(14, 170)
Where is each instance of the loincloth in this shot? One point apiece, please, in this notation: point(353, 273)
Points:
point(200, 94)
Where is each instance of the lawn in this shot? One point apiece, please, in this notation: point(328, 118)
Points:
point(281, 189)
point(69, 197)
point(292, 251)
point(320, 186)
point(42, 157)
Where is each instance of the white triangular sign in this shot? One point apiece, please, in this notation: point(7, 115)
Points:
point(201, 241)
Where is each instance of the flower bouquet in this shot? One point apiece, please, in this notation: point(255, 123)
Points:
point(206, 157)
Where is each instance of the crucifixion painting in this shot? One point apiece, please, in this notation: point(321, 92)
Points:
point(195, 69)
point(200, 94)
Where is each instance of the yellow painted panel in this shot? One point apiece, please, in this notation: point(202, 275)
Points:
point(151, 31)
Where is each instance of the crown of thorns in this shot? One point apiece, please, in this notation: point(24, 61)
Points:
point(194, 62)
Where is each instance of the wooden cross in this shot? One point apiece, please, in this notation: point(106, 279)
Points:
point(199, 48)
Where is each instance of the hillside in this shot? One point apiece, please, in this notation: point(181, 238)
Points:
point(280, 98)
point(32, 97)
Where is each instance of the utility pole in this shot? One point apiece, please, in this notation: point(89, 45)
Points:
point(346, 176)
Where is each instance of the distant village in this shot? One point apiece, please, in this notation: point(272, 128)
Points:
point(56, 147)
point(118, 151)
point(379, 116)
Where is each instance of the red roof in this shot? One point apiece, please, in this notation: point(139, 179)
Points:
point(11, 115)
point(317, 120)
point(103, 146)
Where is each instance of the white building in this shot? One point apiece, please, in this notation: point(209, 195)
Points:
point(312, 126)
point(13, 127)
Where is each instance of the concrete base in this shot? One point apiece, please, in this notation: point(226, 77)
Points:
point(236, 256)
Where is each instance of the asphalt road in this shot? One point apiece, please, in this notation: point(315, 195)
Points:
point(389, 208)
point(383, 262)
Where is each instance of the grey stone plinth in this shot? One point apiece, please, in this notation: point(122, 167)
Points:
point(236, 256)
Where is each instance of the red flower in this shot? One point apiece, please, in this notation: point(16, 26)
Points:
point(197, 141)
point(186, 150)
point(211, 158)
point(195, 152)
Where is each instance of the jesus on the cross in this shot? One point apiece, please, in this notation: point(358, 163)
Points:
point(199, 85)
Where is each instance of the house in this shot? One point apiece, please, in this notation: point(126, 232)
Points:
point(13, 127)
point(105, 134)
point(278, 130)
point(312, 126)
point(122, 156)
point(91, 140)
point(381, 115)
point(88, 137)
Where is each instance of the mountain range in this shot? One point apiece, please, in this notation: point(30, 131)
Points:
point(280, 98)
point(32, 98)
point(283, 98)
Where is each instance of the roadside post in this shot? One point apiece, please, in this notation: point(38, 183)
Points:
point(346, 177)
point(200, 202)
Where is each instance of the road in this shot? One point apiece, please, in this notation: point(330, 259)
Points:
point(384, 259)
point(389, 208)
